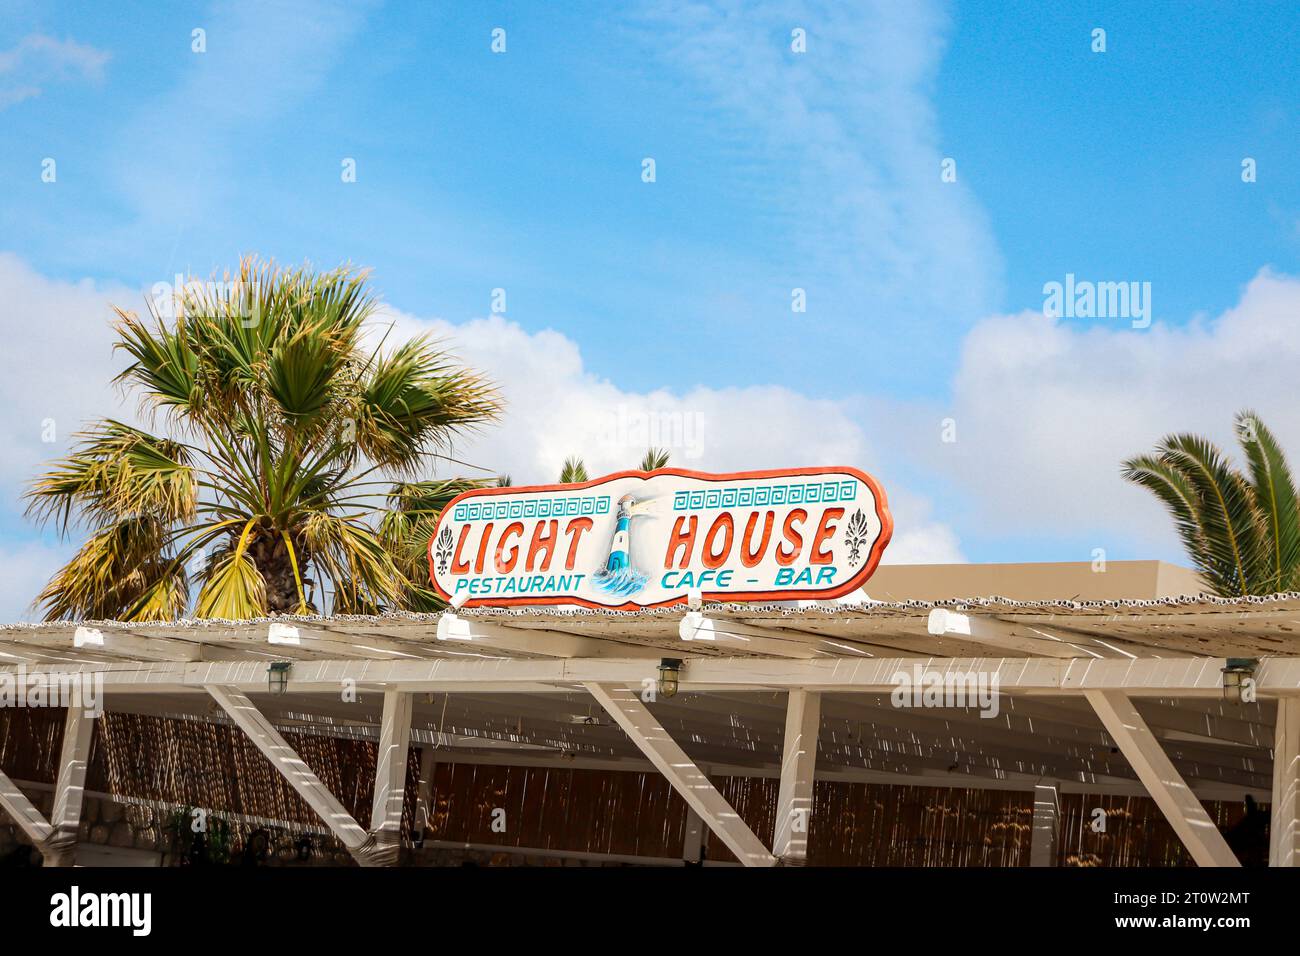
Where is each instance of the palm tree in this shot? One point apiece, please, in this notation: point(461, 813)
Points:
point(406, 527)
point(1242, 531)
point(575, 470)
point(283, 430)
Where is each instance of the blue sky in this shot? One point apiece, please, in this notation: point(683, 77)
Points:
point(1127, 163)
point(774, 170)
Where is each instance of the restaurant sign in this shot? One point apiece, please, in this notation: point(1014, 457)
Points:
point(649, 539)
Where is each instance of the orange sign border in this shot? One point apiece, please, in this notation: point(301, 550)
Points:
point(855, 582)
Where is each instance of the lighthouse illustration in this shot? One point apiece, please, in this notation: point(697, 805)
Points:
point(618, 576)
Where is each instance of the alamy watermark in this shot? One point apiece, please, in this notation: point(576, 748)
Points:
point(1083, 299)
point(936, 688)
point(19, 688)
point(626, 427)
point(75, 908)
point(236, 297)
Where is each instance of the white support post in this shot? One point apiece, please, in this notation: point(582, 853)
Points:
point(390, 770)
point(1156, 771)
point(1046, 830)
point(61, 847)
point(292, 767)
point(1284, 826)
point(424, 792)
point(671, 761)
point(794, 801)
point(693, 839)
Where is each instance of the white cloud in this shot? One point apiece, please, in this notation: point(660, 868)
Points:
point(918, 537)
point(58, 343)
point(556, 408)
point(58, 347)
point(1046, 410)
point(40, 59)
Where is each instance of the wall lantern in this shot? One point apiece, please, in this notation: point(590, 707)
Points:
point(1237, 675)
point(277, 676)
point(669, 671)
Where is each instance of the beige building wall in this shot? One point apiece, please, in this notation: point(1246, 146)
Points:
point(1047, 581)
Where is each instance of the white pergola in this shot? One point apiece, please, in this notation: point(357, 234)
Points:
point(1103, 697)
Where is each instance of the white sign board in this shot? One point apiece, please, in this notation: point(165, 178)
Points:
point(648, 539)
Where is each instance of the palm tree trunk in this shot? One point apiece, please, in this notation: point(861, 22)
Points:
point(272, 560)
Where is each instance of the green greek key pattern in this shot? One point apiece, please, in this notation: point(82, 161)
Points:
point(490, 510)
point(758, 496)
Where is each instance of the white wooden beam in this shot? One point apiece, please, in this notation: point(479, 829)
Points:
point(1045, 835)
point(328, 642)
point(670, 760)
point(390, 770)
point(23, 813)
point(1008, 781)
point(794, 802)
point(1148, 677)
point(1284, 826)
point(694, 831)
point(734, 636)
point(542, 642)
point(1176, 801)
point(78, 729)
point(114, 643)
point(74, 759)
point(1026, 638)
point(292, 767)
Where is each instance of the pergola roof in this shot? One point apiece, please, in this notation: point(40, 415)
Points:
point(1200, 625)
point(1222, 748)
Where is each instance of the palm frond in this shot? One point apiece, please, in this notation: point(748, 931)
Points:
point(430, 497)
point(1230, 520)
point(234, 590)
point(654, 459)
point(406, 527)
point(1275, 492)
point(165, 368)
point(1227, 523)
point(573, 472)
point(1169, 485)
point(361, 570)
point(301, 374)
point(118, 566)
point(413, 400)
point(116, 471)
point(166, 598)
